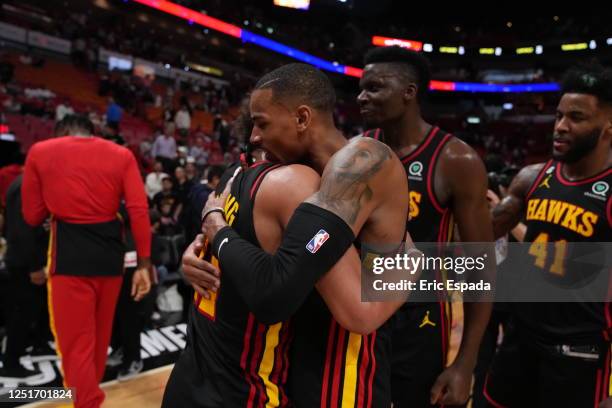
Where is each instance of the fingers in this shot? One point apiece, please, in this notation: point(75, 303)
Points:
point(203, 292)
point(141, 284)
point(437, 391)
point(198, 267)
point(134, 288)
point(206, 279)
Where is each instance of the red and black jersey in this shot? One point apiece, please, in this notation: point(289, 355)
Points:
point(560, 214)
point(428, 221)
point(332, 367)
point(244, 362)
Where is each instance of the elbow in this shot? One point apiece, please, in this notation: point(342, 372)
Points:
point(358, 324)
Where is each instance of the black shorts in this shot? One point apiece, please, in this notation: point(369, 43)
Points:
point(420, 345)
point(187, 386)
point(526, 373)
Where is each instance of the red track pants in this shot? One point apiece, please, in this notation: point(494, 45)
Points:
point(81, 311)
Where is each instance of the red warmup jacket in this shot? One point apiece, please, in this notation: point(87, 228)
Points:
point(80, 181)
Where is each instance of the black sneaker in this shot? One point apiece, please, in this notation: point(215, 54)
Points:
point(17, 372)
point(131, 371)
point(115, 359)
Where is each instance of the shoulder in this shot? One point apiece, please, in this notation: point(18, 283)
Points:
point(288, 184)
point(527, 176)
point(49, 144)
point(292, 176)
point(113, 148)
point(460, 153)
point(362, 155)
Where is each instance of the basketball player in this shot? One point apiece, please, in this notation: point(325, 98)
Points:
point(558, 354)
point(448, 185)
point(238, 355)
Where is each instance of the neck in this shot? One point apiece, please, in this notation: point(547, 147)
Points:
point(409, 129)
point(322, 148)
point(591, 164)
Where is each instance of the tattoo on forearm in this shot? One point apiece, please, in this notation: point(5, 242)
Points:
point(345, 183)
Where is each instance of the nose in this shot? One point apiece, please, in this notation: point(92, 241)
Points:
point(362, 98)
point(255, 137)
point(562, 125)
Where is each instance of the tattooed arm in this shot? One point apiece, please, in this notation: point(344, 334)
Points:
point(508, 213)
point(357, 181)
point(350, 178)
point(365, 184)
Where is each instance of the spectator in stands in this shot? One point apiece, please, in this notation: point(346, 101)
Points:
point(183, 188)
point(199, 153)
point(183, 185)
point(222, 131)
point(198, 196)
point(113, 113)
point(63, 109)
point(183, 153)
point(153, 181)
point(145, 148)
point(168, 225)
point(79, 181)
point(182, 120)
point(167, 196)
point(24, 293)
point(191, 170)
point(164, 149)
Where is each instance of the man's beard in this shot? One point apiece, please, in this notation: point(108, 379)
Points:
point(580, 148)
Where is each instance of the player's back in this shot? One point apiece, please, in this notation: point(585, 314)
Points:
point(331, 366)
point(243, 362)
point(80, 174)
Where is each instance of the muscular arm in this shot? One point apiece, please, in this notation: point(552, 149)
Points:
point(471, 212)
point(353, 185)
point(280, 282)
point(507, 214)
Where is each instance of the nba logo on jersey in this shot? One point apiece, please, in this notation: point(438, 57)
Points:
point(317, 241)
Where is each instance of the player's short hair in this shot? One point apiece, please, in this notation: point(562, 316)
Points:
point(300, 84)
point(74, 125)
point(592, 79)
point(413, 66)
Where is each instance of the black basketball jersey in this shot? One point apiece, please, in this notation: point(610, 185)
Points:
point(332, 367)
point(428, 221)
point(245, 362)
point(561, 212)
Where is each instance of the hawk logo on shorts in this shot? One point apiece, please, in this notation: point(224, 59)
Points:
point(317, 241)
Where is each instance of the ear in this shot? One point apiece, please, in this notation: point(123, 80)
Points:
point(410, 93)
point(303, 117)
